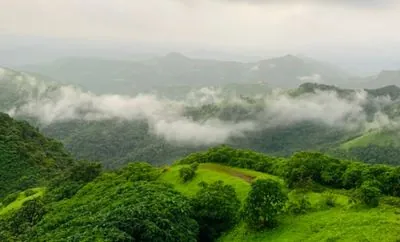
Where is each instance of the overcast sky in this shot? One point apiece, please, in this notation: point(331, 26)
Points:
point(291, 25)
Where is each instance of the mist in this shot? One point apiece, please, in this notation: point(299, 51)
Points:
point(167, 119)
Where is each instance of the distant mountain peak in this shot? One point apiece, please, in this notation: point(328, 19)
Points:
point(286, 59)
point(175, 56)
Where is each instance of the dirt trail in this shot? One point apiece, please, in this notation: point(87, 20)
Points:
point(229, 171)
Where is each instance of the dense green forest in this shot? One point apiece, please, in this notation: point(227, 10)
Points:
point(222, 193)
point(27, 157)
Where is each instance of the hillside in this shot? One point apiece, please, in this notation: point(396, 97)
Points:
point(145, 203)
point(27, 157)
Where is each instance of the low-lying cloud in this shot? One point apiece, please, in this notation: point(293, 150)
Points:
point(166, 118)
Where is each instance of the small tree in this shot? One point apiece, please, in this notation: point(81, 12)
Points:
point(188, 173)
point(216, 209)
point(368, 194)
point(265, 201)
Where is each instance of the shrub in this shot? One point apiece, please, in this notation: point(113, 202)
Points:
point(140, 171)
point(216, 209)
point(194, 166)
point(329, 199)
point(368, 194)
point(29, 192)
point(186, 174)
point(353, 175)
point(298, 205)
point(265, 201)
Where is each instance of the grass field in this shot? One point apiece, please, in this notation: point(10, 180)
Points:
point(21, 199)
point(335, 224)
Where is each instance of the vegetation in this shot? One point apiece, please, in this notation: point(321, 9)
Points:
point(264, 203)
point(368, 193)
point(216, 209)
point(234, 195)
point(188, 173)
point(27, 158)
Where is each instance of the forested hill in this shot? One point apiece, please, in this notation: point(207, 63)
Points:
point(27, 158)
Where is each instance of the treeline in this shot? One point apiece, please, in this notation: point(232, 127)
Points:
point(305, 167)
point(373, 154)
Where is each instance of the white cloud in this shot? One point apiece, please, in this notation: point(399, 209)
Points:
point(166, 117)
point(316, 78)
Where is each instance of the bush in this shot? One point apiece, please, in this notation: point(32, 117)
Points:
point(140, 171)
point(329, 199)
point(298, 205)
point(194, 166)
point(29, 192)
point(186, 174)
point(368, 194)
point(265, 201)
point(216, 209)
point(353, 175)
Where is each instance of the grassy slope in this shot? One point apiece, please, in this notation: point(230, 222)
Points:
point(340, 223)
point(335, 224)
point(373, 137)
point(39, 191)
point(213, 172)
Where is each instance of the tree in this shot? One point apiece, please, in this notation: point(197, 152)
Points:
point(368, 193)
point(264, 202)
point(216, 209)
point(188, 173)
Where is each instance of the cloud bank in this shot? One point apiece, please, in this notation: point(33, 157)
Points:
point(167, 118)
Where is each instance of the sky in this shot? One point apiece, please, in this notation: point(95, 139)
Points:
point(333, 27)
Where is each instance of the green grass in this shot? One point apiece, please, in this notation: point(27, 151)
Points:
point(39, 191)
point(213, 172)
point(334, 224)
point(382, 138)
point(321, 223)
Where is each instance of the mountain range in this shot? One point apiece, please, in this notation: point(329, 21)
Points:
point(175, 69)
